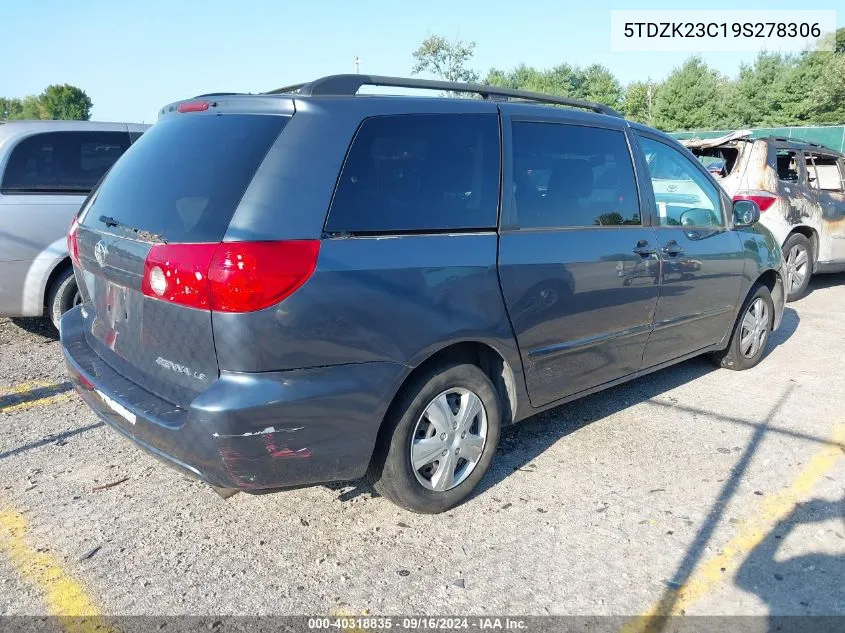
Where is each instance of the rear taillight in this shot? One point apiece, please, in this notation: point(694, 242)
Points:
point(229, 276)
point(764, 199)
point(72, 242)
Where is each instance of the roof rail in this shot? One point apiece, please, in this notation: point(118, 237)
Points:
point(795, 140)
point(348, 85)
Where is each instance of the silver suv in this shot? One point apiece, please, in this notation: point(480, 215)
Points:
point(47, 168)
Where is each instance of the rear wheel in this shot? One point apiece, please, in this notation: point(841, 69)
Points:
point(798, 253)
point(62, 296)
point(438, 440)
point(751, 331)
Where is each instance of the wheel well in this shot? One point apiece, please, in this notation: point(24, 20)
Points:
point(58, 270)
point(811, 235)
point(491, 363)
point(769, 279)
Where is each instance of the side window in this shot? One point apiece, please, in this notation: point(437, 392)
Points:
point(62, 162)
point(823, 172)
point(684, 196)
point(419, 172)
point(572, 176)
point(786, 164)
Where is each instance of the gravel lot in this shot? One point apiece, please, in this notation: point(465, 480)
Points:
point(704, 490)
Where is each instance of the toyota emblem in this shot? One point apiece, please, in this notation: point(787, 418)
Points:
point(100, 252)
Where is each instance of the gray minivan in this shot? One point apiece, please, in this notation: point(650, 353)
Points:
point(46, 170)
point(310, 285)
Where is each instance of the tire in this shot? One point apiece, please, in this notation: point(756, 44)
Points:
point(798, 255)
point(62, 296)
point(738, 354)
point(425, 490)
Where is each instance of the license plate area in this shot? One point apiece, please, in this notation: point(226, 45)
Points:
point(118, 408)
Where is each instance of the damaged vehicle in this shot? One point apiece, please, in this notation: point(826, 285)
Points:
point(312, 285)
point(800, 189)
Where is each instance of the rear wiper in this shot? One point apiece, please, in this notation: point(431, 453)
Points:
point(144, 235)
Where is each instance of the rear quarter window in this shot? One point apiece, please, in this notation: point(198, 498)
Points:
point(184, 178)
point(62, 162)
point(419, 172)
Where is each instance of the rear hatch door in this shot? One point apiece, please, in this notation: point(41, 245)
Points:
point(179, 184)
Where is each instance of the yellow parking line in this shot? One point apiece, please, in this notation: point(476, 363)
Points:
point(751, 534)
point(23, 406)
point(32, 386)
point(24, 386)
point(63, 595)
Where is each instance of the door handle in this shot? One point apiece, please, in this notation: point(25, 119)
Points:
point(644, 250)
point(673, 249)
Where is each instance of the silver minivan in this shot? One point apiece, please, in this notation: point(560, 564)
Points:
point(47, 169)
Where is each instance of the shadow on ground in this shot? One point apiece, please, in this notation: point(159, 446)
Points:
point(807, 583)
point(39, 326)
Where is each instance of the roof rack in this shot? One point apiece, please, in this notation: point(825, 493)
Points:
point(348, 85)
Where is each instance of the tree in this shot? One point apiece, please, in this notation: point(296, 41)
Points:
point(759, 94)
point(444, 58)
point(32, 108)
point(692, 97)
point(562, 80)
point(638, 102)
point(601, 86)
point(10, 108)
point(66, 102)
point(826, 99)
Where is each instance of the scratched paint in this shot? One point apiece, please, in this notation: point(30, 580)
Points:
point(62, 594)
point(712, 573)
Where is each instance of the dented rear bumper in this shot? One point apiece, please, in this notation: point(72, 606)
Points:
point(246, 431)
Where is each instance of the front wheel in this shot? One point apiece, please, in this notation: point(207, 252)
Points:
point(439, 439)
point(751, 332)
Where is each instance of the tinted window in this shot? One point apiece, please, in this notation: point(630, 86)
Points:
point(568, 175)
point(419, 172)
point(185, 176)
point(684, 196)
point(62, 162)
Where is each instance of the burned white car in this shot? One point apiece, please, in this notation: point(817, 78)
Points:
point(800, 189)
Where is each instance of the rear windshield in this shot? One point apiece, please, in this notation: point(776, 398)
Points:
point(184, 178)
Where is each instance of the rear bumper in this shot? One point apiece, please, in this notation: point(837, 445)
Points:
point(246, 431)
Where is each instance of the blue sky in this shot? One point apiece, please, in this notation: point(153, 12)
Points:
point(133, 57)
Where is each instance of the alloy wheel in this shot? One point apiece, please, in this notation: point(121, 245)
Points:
point(755, 328)
point(797, 261)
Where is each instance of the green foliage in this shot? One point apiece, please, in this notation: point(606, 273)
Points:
point(66, 102)
point(56, 102)
point(638, 102)
point(692, 96)
point(445, 58)
point(759, 96)
point(776, 90)
point(594, 83)
point(601, 86)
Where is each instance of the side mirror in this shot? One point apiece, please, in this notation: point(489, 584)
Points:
point(746, 213)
